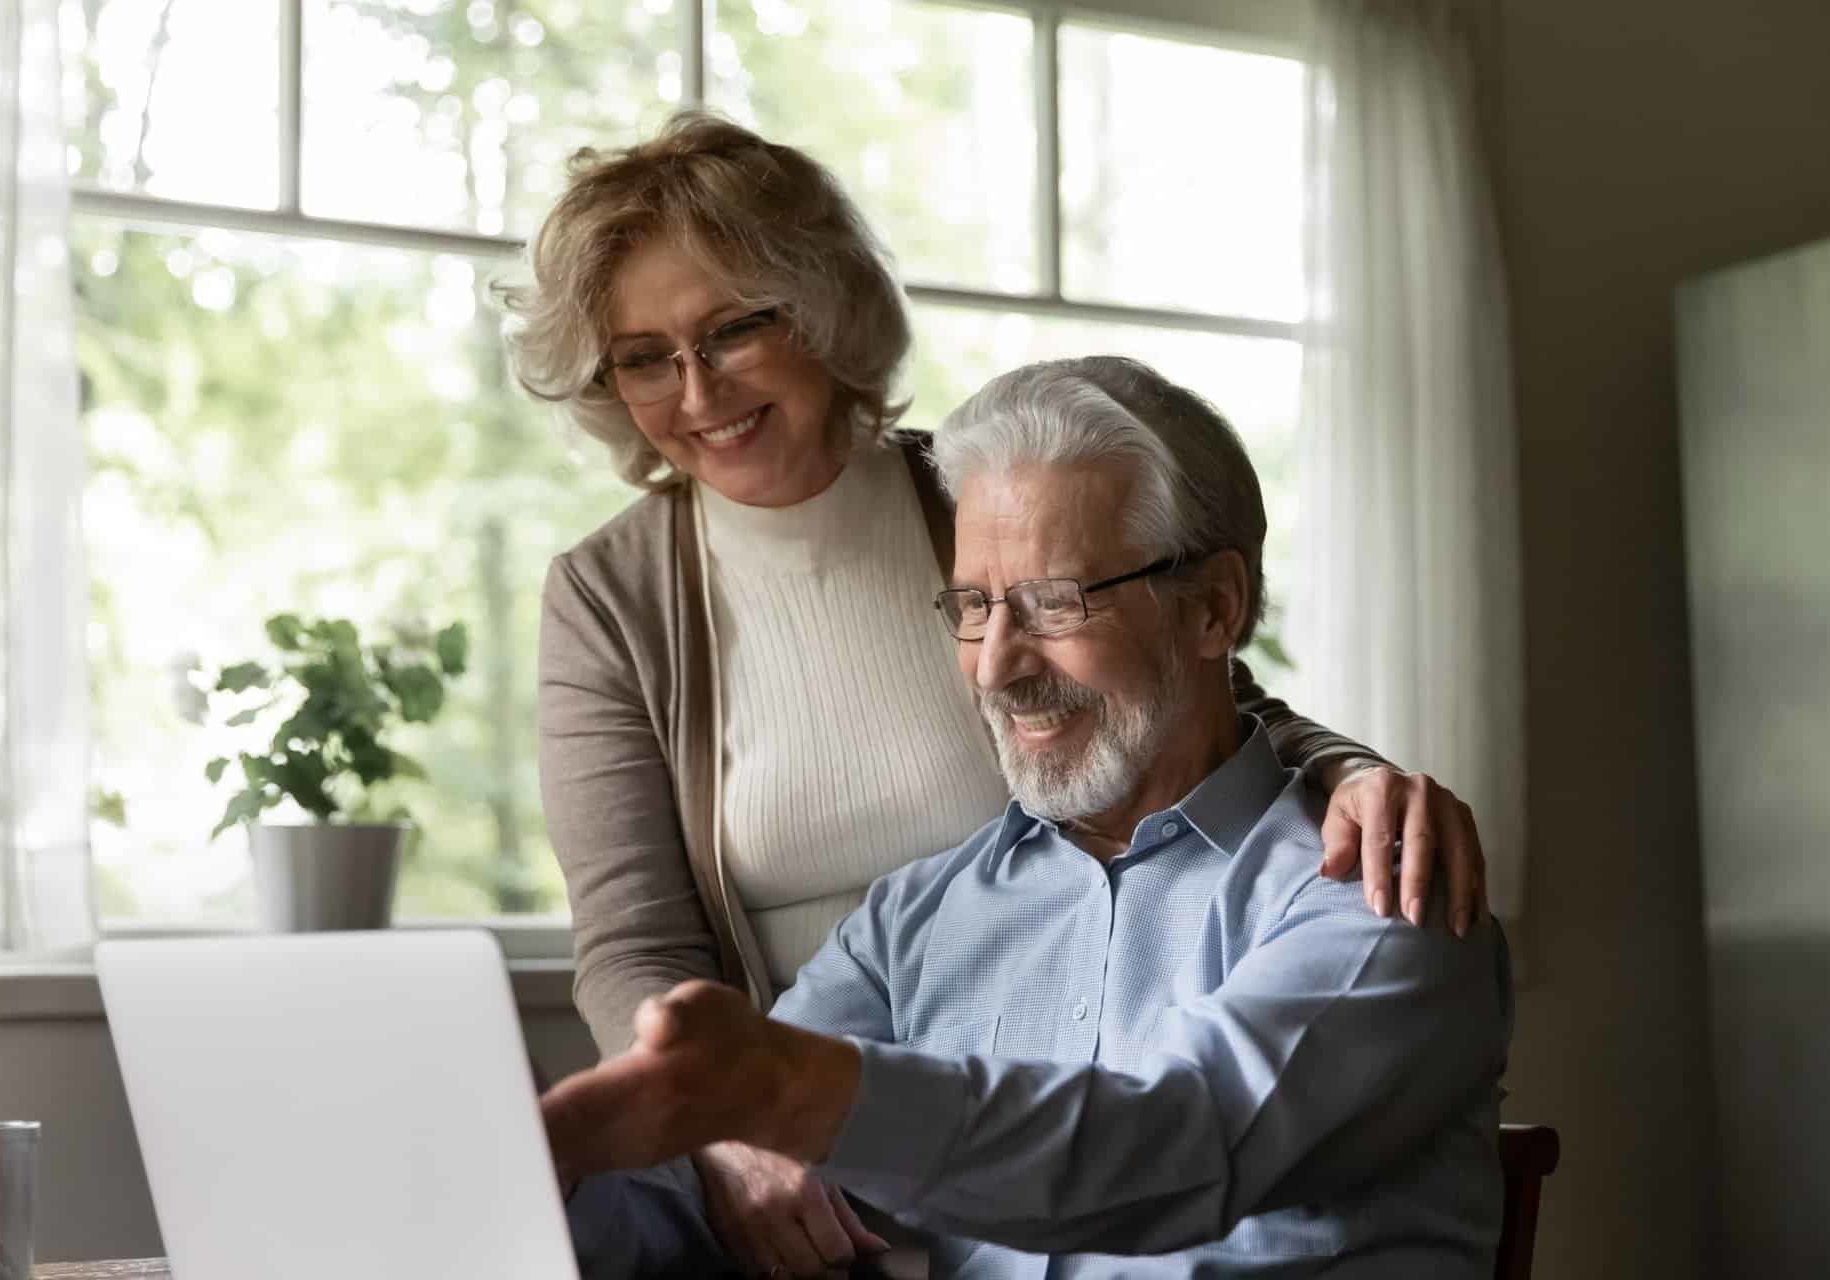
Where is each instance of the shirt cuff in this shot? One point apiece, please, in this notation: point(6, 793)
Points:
point(908, 1110)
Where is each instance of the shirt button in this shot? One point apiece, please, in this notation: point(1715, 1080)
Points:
point(1171, 830)
point(1080, 1010)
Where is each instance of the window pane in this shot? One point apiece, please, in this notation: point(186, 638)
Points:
point(281, 426)
point(460, 113)
point(175, 99)
point(925, 112)
point(1255, 382)
point(1181, 175)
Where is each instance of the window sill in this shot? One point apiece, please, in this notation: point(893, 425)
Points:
point(538, 954)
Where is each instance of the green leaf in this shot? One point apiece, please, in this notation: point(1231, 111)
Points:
point(338, 633)
point(256, 769)
point(420, 690)
point(453, 649)
point(243, 676)
point(213, 770)
point(302, 776)
point(407, 767)
point(243, 717)
point(284, 629)
point(1272, 648)
point(244, 806)
point(108, 806)
point(371, 761)
point(309, 725)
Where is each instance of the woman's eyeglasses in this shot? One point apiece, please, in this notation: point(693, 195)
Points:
point(644, 376)
point(1041, 606)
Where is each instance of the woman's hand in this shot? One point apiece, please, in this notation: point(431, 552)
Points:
point(1371, 807)
point(776, 1218)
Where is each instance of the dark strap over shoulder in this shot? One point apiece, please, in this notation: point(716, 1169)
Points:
point(935, 509)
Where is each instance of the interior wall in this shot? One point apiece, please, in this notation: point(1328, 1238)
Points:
point(93, 1201)
point(1637, 143)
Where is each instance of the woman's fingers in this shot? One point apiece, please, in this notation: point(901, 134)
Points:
point(1340, 840)
point(1379, 816)
point(1465, 863)
point(1379, 811)
point(796, 1249)
point(1416, 859)
point(824, 1231)
point(862, 1237)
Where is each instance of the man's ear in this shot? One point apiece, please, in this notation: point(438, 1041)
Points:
point(1223, 603)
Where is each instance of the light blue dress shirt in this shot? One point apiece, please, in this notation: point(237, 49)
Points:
point(1202, 1051)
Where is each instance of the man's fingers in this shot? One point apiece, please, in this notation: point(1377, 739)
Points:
point(1420, 836)
point(569, 1110)
point(586, 1116)
point(657, 1022)
point(862, 1237)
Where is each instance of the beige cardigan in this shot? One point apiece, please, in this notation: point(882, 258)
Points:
point(628, 743)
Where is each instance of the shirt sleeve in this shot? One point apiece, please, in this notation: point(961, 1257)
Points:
point(850, 987)
point(1337, 1046)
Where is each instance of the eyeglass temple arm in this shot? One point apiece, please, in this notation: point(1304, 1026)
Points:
point(1155, 566)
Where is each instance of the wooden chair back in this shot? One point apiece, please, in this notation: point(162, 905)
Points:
point(1528, 1154)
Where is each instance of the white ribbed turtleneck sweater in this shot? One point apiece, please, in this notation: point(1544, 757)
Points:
point(851, 743)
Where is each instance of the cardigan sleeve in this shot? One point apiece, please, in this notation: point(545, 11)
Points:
point(638, 926)
point(1300, 743)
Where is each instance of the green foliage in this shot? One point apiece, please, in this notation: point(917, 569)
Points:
point(338, 698)
point(108, 806)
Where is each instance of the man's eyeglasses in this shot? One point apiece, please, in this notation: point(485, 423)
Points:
point(646, 376)
point(1041, 606)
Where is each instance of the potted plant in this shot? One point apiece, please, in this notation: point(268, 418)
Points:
point(337, 699)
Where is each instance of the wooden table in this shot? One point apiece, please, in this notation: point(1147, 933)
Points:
point(905, 1264)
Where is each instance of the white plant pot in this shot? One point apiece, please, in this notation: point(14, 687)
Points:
point(322, 876)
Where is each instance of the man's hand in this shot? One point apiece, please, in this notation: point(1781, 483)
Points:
point(774, 1216)
point(705, 1067)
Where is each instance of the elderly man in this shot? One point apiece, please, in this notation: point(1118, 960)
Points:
point(1128, 1017)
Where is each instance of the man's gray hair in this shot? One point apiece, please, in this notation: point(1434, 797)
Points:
point(1194, 491)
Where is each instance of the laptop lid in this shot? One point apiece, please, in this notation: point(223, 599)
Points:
point(355, 1105)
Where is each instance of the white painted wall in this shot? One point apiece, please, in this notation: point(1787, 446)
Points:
point(1640, 142)
point(61, 1071)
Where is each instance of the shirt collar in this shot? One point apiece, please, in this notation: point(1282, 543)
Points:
point(1223, 807)
point(1227, 803)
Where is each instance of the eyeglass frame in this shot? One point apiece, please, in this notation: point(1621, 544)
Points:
point(605, 374)
point(1165, 565)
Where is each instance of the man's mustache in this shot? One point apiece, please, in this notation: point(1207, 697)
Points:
point(1039, 695)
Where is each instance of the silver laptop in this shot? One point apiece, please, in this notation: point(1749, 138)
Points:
point(354, 1105)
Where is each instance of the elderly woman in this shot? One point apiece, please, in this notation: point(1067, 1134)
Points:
point(748, 709)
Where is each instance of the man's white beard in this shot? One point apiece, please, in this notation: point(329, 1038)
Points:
point(1127, 738)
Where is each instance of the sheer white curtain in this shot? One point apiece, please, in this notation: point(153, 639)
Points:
point(1407, 623)
point(45, 900)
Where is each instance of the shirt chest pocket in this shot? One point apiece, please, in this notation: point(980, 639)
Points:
point(957, 1039)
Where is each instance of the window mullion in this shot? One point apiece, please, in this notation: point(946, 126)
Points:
point(694, 29)
point(291, 104)
point(1048, 154)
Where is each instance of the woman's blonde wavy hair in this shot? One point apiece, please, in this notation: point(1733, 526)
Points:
point(767, 221)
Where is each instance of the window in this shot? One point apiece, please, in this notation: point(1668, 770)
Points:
point(295, 398)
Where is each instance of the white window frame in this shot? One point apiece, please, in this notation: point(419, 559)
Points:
point(1266, 26)
point(1259, 26)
